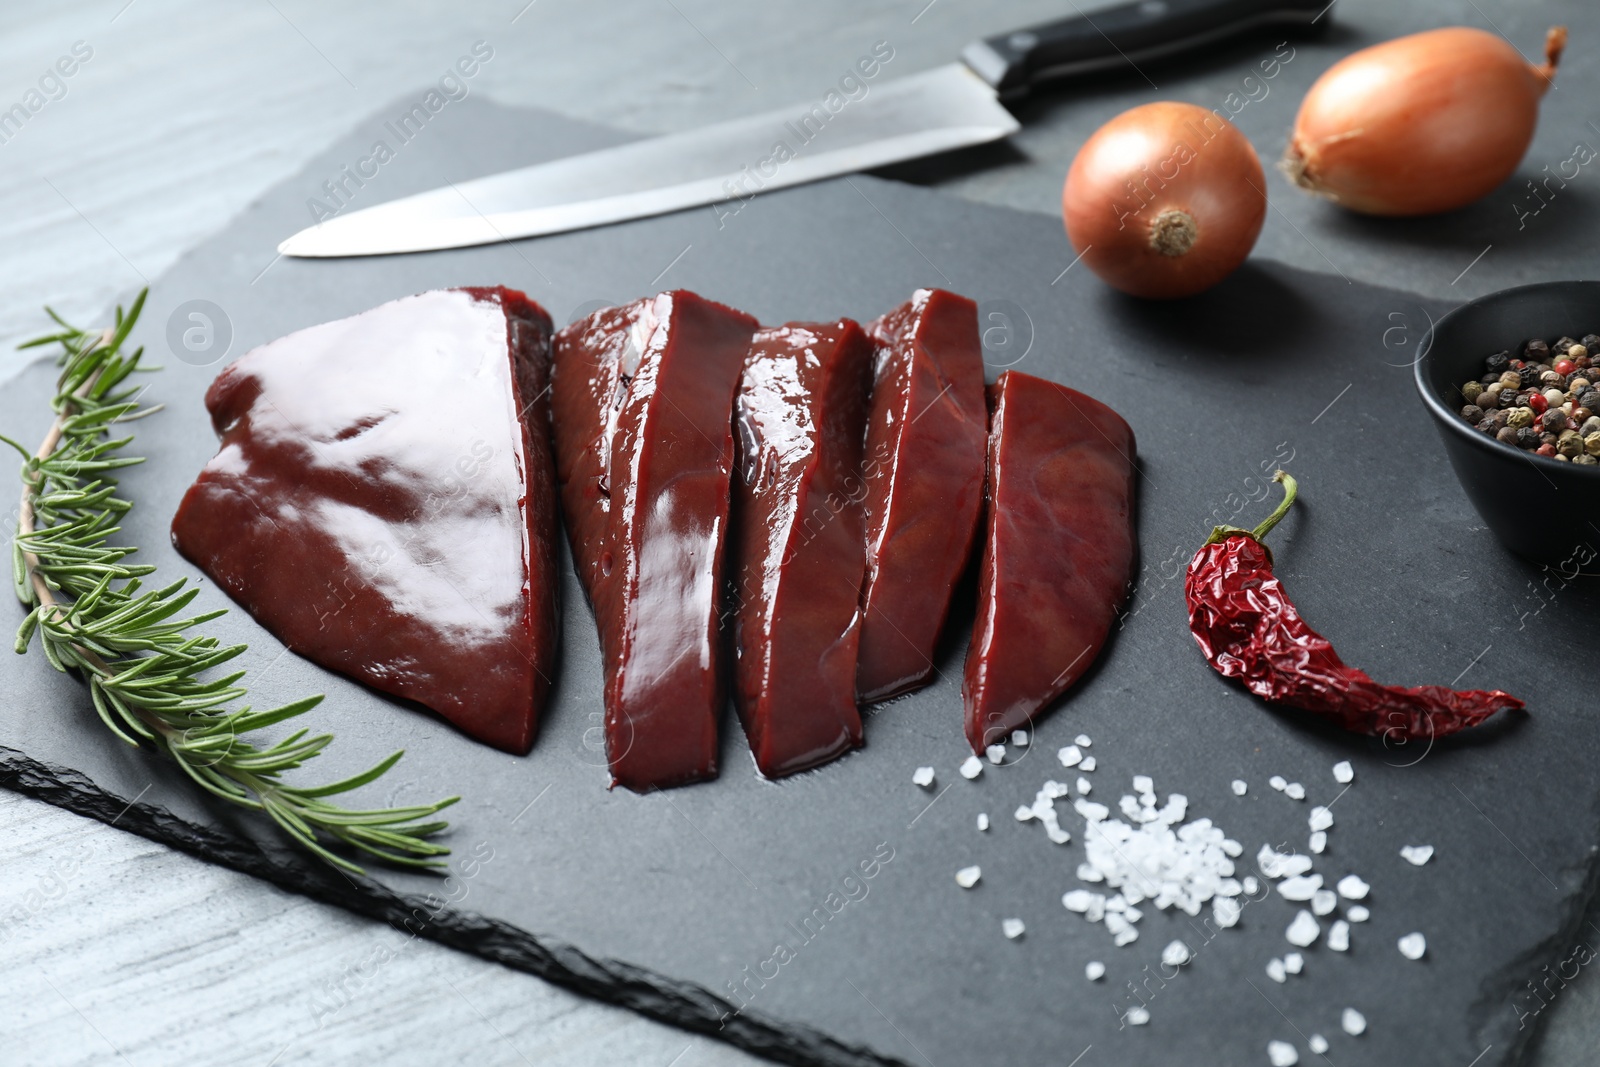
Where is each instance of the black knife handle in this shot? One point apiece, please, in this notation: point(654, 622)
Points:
point(1128, 36)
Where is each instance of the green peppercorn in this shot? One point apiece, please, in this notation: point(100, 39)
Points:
point(1511, 380)
point(1569, 444)
point(1471, 391)
point(1517, 418)
point(1590, 425)
point(1591, 443)
point(1586, 459)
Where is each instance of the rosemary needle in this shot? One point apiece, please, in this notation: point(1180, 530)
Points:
point(149, 676)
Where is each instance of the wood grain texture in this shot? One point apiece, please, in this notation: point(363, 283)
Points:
point(113, 949)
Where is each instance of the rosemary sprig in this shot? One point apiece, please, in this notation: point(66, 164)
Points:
point(92, 614)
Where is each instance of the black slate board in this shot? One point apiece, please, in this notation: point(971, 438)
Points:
point(662, 902)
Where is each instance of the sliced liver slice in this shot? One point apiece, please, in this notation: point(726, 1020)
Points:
point(798, 551)
point(380, 507)
point(924, 461)
point(1058, 554)
point(643, 396)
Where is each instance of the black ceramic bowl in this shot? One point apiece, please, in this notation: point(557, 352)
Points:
point(1539, 507)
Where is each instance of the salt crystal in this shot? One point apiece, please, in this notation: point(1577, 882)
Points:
point(1083, 786)
point(1321, 818)
point(1094, 970)
point(1077, 900)
point(1088, 872)
point(1023, 813)
point(1339, 936)
point(971, 767)
point(1137, 1015)
point(1343, 773)
point(1282, 1054)
point(1240, 787)
point(1278, 782)
point(1304, 930)
point(1250, 886)
point(1055, 790)
point(1019, 738)
point(1012, 928)
point(1413, 946)
point(1354, 1023)
point(1317, 1044)
point(1115, 905)
point(1300, 887)
point(1356, 913)
point(1294, 963)
point(1294, 791)
point(923, 777)
point(1090, 810)
point(996, 753)
point(1083, 740)
point(1323, 901)
point(983, 821)
point(1318, 843)
point(1176, 954)
point(1417, 854)
point(1056, 834)
point(1143, 783)
point(1125, 937)
point(967, 877)
point(1276, 970)
point(1351, 887)
point(1226, 911)
point(1070, 756)
point(1087, 766)
point(1232, 847)
point(1097, 909)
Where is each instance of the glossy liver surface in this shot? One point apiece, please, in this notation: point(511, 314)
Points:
point(1058, 552)
point(383, 502)
point(798, 549)
point(924, 463)
point(643, 396)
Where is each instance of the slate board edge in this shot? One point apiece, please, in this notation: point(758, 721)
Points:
point(681, 1004)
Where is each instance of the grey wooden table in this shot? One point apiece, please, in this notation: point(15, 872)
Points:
point(114, 949)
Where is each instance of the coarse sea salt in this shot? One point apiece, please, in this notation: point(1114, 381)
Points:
point(967, 877)
point(1083, 785)
point(1353, 1022)
point(1176, 954)
point(1351, 887)
point(1317, 1044)
point(1019, 738)
point(923, 776)
point(1278, 782)
point(1226, 911)
point(1301, 887)
point(1070, 756)
point(1094, 970)
point(1023, 813)
point(1323, 901)
point(1276, 970)
point(1275, 864)
point(1240, 787)
point(1087, 766)
point(971, 767)
point(1250, 885)
point(983, 821)
point(996, 753)
point(1413, 946)
point(1282, 1054)
point(1318, 842)
point(1343, 773)
point(1321, 818)
point(1294, 791)
point(1136, 1015)
point(1083, 740)
point(1294, 963)
point(1304, 931)
point(1339, 936)
point(1417, 855)
point(1143, 783)
point(1012, 928)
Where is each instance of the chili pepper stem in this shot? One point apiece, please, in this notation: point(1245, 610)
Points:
point(1291, 489)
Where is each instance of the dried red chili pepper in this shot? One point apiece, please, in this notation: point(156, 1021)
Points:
point(1248, 629)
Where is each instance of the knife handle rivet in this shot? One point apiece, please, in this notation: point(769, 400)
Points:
point(1022, 41)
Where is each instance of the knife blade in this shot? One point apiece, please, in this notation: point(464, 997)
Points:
point(723, 165)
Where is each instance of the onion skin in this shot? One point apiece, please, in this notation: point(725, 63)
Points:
point(1421, 124)
point(1165, 200)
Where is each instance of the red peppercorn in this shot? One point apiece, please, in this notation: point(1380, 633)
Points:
point(1538, 403)
point(1563, 366)
point(1547, 450)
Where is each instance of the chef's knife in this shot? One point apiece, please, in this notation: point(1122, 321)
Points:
point(724, 165)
